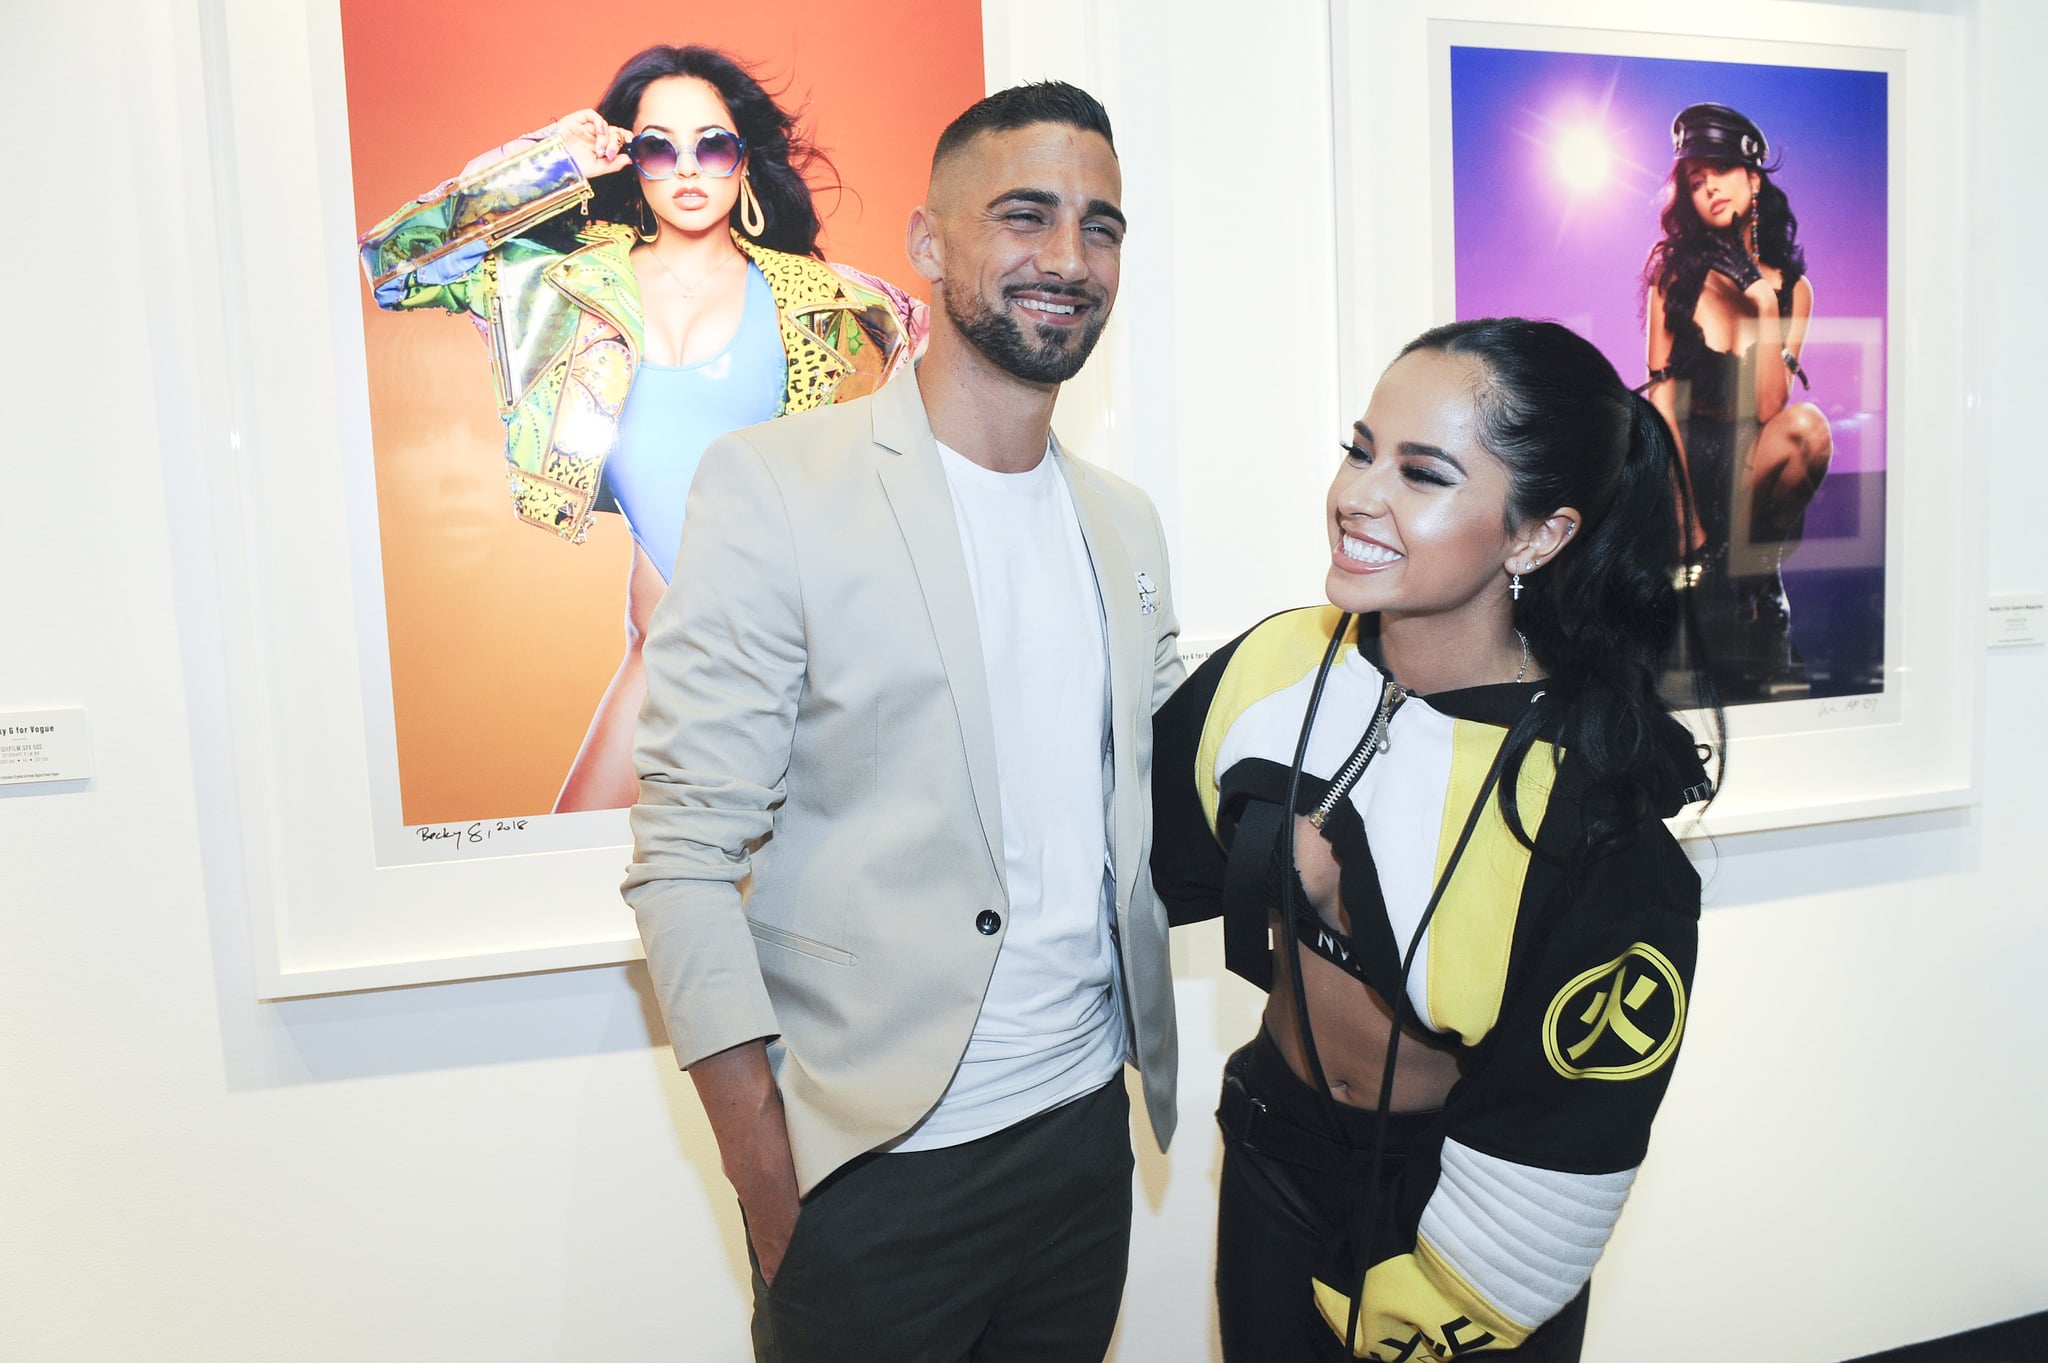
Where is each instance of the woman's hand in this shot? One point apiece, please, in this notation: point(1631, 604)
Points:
point(599, 148)
point(1726, 256)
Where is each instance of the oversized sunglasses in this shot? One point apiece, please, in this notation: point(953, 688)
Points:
point(657, 157)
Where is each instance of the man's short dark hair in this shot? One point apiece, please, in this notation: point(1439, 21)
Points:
point(1020, 106)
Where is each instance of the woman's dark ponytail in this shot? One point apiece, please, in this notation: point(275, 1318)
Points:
point(1602, 615)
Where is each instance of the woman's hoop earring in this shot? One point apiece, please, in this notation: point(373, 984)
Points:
point(752, 220)
point(640, 227)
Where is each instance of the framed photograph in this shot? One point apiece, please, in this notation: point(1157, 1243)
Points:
point(416, 665)
point(1590, 136)
point(1644, 186)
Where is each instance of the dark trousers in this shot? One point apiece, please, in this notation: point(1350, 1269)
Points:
point(1008, 1249)
point(1273, 1217)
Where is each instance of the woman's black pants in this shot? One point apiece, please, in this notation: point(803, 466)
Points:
point(1283, 1199)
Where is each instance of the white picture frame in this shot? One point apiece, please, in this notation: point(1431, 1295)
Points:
point(1790, 763)
point(344, 896)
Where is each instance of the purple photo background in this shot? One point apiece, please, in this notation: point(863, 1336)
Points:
point(1541, 231)
point(1559, 166)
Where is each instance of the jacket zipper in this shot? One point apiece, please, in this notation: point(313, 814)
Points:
point(1375, 741)
point(501, 345)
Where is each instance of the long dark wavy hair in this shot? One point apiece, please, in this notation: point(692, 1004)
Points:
point(1601, 615)
point(778, 153)
point(1677, 264)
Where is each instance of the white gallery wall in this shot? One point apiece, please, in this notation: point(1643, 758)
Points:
point(511, 1170)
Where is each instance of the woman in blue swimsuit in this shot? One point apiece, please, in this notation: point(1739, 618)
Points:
point(633, 317)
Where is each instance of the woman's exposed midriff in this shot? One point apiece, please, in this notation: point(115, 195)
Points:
point(1352, 1023)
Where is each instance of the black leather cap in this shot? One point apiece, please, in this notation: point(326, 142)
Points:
point(1715, 132)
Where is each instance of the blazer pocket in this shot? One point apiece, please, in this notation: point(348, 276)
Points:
point(803, 946)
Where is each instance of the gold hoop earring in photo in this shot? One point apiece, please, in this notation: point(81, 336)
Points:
point(752, 220)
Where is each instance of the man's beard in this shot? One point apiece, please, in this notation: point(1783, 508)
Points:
point(1057, 357)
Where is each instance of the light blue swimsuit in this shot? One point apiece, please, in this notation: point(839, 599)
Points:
point(674, 411)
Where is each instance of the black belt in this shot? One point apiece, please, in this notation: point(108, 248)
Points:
point(1247, 1120)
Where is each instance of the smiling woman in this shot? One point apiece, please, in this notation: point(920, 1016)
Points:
point(1441, 854)
point(1421, 526)
point(644, 275)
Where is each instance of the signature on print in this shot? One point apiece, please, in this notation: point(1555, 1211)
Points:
point(457, 836)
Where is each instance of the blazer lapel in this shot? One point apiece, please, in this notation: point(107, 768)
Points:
point(915, 483)
point(1117, 583)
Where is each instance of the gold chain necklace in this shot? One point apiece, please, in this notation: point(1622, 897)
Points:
point(690, 287)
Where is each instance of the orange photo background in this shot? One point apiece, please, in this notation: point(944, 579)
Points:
point(502, 637)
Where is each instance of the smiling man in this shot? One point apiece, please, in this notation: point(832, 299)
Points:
point(1027, 275)
point(911, 710)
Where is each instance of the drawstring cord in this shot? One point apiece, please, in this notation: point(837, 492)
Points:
point(1290, 910)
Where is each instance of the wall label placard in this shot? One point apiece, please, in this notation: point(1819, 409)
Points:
point(43, 745)
point(2019, 618)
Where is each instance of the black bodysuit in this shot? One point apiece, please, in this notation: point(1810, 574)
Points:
point(1740, 595)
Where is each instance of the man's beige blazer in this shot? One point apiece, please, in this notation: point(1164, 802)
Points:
point(819, 825)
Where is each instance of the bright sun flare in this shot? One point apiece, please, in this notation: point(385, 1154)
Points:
point(1583, 159)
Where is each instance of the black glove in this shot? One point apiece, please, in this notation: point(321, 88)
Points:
point(1726, 256)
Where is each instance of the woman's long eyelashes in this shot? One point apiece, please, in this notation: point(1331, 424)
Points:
point(1416, 471)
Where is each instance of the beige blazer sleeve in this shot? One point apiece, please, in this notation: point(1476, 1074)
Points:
point(713, 750)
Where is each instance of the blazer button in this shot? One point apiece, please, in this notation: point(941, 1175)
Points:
point(988, 923)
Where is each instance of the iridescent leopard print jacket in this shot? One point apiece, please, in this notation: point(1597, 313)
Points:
point(564, 329)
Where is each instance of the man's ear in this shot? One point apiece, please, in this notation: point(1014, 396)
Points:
point(921, 242)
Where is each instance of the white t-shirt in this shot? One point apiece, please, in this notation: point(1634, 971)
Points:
point(1051, 1026)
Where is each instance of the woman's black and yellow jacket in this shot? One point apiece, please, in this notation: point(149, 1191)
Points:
point(1560, 980)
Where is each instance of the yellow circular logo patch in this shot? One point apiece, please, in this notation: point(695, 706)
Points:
point(1621, 1020)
